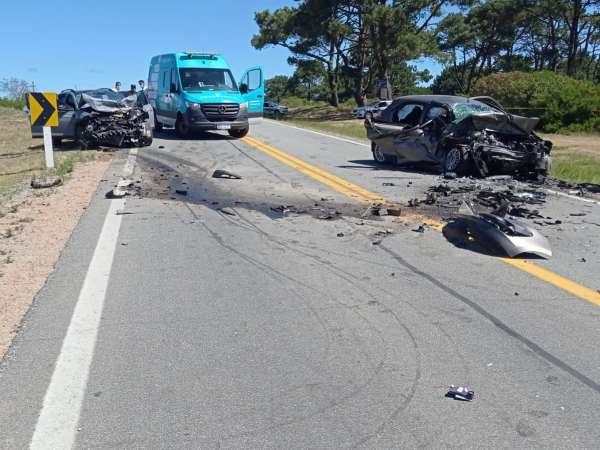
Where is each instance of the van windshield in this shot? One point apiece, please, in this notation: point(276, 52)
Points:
point(200, 79)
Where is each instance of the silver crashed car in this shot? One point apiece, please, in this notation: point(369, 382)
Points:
point(102, 117)
point(465, 136)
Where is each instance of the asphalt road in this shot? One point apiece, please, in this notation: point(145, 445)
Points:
point(234, 317)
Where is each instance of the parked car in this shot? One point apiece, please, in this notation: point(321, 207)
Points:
point(460, 135)
point(197, 91)
point(102, 117)
point(363, 112)
point(275, 110)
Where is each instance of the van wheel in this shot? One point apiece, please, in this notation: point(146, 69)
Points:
point(181, 127)
point(379, 156)
point(239, 133)
point(157, 125)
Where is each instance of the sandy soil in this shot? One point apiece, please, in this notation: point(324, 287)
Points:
point(33, 233)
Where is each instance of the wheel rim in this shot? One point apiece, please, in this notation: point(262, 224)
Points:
point(452, 159)
point(379, 156)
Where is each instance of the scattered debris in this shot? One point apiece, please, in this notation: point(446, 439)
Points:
point(228, 211)
point(181, 191)
point(388, 184)
point(582, 260)
point(161, 146)
point(340, 234)
point(48, 182)
point(219, 173)
point(420, 229)
point(450, 175)
point(577, 214)
point(115, 193)
point(325, 217)
point(460, 393)
point(516, 294)
point(377, 242)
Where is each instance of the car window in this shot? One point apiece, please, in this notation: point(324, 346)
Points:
point(409, 114)
point(382, 104)
point(434, 111)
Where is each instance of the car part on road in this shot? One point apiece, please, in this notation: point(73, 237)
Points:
point(219, 173)
point(460, 393)
point(511, 236)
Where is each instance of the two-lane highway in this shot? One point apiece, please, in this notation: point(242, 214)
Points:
point(266, 312)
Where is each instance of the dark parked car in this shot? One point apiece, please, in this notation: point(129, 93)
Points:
point(275, 110)
point(102, 117)
point(460, 135)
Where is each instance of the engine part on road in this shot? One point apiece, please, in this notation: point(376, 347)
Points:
point(460, 393)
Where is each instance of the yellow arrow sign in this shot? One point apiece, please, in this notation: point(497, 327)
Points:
point(43, 109)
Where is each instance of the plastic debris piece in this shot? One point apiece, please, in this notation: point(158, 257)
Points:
point(226, 174)
point(460, 393)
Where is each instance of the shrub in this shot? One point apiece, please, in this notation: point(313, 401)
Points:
point(562, 103)
point(17, 104)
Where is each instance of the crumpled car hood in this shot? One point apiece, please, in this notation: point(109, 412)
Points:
point(108, 106)
point(501, 122)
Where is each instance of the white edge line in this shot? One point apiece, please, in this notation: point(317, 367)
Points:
point(317, 132)
point(58, 420)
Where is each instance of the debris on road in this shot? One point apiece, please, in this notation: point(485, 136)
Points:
point(181, 191)
point(219, 173)
point(388, 184)
point(420, 229)
point(47, 182)
point(228, 211)
point(115, 193)
point(460, 393)
point(340, 234)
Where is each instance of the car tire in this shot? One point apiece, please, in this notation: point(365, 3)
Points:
point(456, 161)
point(79, 138)
point(239, 132)
point(181, 127)
point(379, 156)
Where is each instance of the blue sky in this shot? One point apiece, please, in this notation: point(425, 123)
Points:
point(87, 44)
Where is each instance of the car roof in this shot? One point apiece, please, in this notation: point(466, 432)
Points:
point(445, 99)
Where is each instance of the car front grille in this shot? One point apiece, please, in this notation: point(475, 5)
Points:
point(219, 112)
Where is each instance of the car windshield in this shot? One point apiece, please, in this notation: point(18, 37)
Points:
point(463, 110)
point(198, 80)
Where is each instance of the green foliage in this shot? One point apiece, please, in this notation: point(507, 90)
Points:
point(276, 87)
point(562, 103)
point(16, 104)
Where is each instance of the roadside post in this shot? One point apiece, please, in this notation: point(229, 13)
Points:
point(43, 110)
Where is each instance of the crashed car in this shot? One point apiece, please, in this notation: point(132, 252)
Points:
point(464, 136)
point(102, 117)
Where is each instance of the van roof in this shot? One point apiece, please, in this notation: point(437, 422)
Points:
point(194, 59)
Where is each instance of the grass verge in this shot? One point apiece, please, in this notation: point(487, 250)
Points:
point(345, 128)
point(22, 157)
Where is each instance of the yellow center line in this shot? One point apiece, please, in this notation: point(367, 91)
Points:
point(362, 195)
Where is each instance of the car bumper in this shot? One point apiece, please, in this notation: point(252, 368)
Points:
point(197, 121)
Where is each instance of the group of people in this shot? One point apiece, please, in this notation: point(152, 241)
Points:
point(133, 89)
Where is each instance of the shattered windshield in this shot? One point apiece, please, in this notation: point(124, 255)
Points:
point(199, 80)
point(463, 110)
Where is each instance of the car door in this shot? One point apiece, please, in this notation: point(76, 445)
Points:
point(410, 145)
point(252, 87)
point(67, 109)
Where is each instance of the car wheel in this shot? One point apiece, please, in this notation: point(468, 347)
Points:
point(379, 156)
point(239, 132)
point(456, 161)
point(181, 127)
point(80, 138)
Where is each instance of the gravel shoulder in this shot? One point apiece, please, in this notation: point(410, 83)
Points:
point(33, 231)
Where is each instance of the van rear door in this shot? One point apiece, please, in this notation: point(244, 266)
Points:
point(253, 79)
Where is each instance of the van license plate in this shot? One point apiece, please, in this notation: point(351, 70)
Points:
point(223, 126)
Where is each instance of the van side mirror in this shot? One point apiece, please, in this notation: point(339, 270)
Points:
point(174, 89)
point(244, 88)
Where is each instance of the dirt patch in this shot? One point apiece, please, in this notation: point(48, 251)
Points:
point(33, 232)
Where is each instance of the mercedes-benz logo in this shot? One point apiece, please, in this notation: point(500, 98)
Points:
point(222, 109)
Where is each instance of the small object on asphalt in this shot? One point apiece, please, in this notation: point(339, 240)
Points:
point(421, 229)
point(431, 198)
point(460, 393)
point(577, 214)
point(43, 183)
point(280, 209)
point(449, 175)
point(582, 260)
point(115, 193)
point(340, 235)
point(123, 213)
point(393, 274)
point(388, 184)
point(323, 199)
point(124, 243)
point(181, 191)
point(377, 242)
point(413, 202)
point(325, 217)
point(410, 182)
point(516, 294)
point(125, 183)
point(394, 212)
point(161, 146)
point(226, 174)
point(228, 211)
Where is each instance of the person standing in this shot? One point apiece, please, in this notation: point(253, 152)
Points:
point(142, 84)
point(117, 87)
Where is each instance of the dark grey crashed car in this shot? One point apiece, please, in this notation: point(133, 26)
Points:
point(102, 117)
point(460, 135)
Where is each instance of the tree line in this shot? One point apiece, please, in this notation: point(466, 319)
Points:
point(350, 48)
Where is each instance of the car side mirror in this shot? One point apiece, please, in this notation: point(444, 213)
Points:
point(244, 88)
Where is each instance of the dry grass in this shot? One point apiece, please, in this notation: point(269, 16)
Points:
point(21, 157)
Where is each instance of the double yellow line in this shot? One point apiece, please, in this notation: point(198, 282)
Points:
point(364, 196)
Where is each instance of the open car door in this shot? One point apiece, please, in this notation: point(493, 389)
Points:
point(252, 87)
